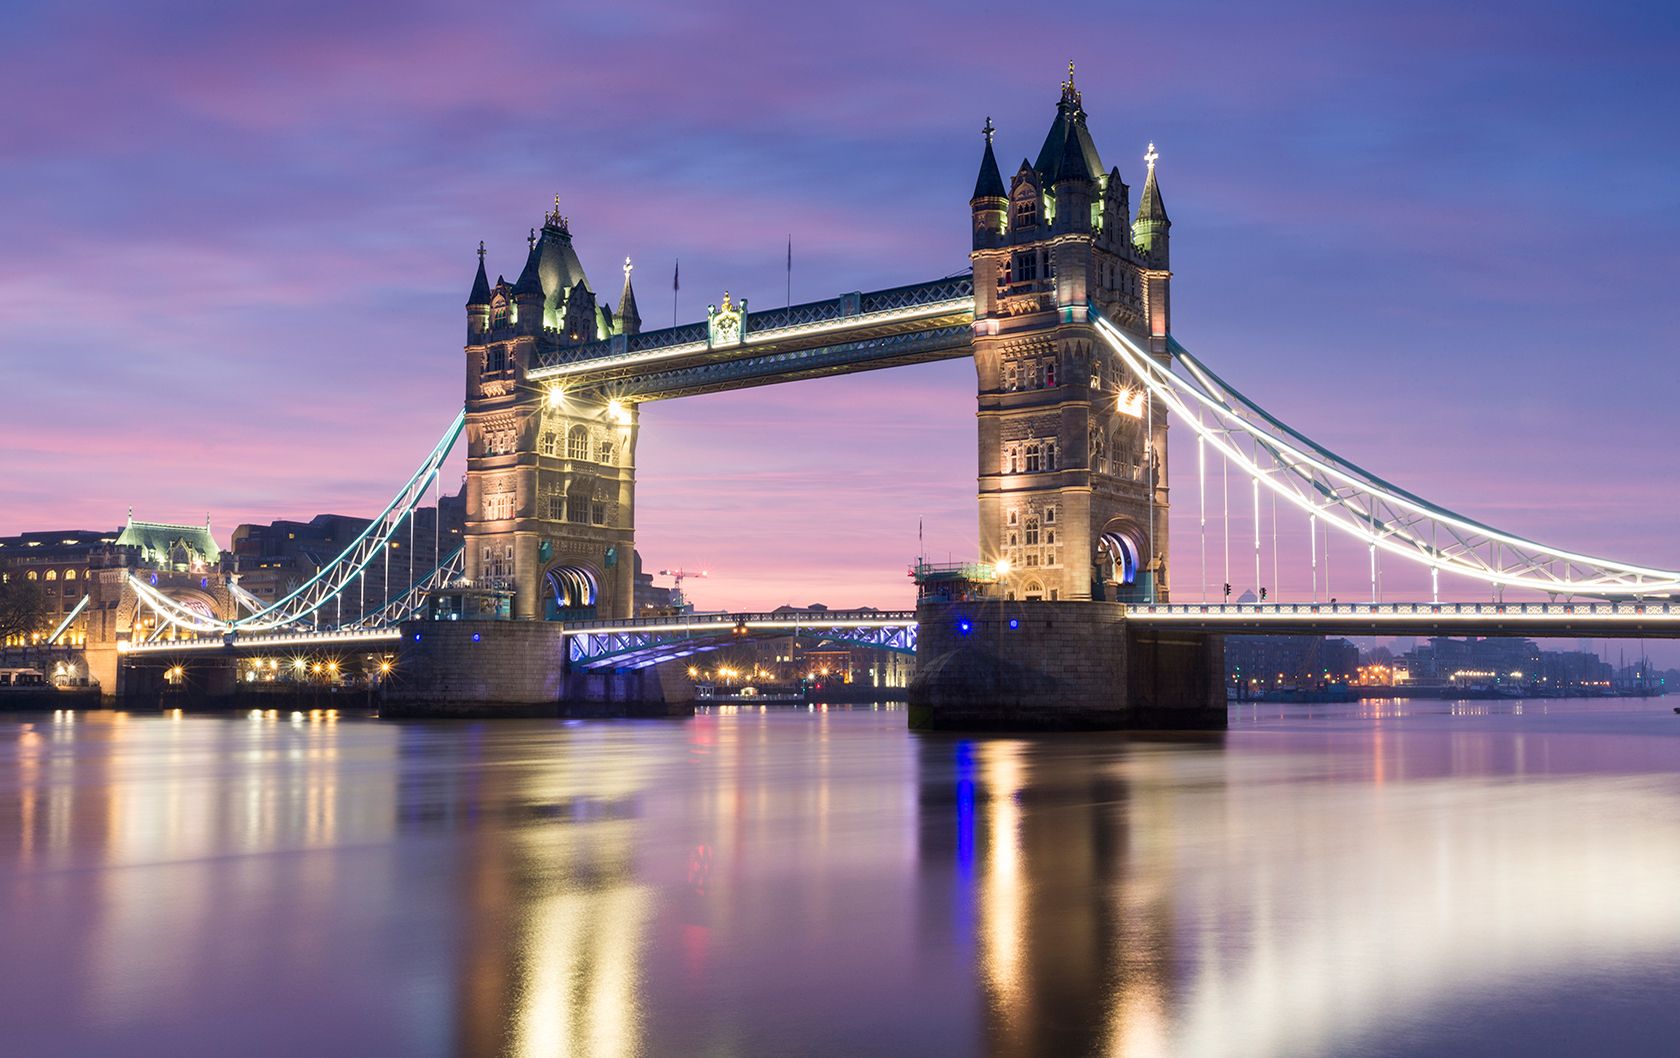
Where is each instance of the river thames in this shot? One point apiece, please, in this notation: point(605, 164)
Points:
point(1394, 879)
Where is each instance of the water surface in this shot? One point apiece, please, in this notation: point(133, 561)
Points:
point(1404, 879)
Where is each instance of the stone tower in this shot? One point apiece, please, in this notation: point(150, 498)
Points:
point(550, 473)
point(1072, 477)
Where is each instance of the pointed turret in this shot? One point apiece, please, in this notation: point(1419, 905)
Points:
point(629, 319)
point(1149, 230)
point(990, 202)
point(481, 284)
point(989, 184)
point(530, 279)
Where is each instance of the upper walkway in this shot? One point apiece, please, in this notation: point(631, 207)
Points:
point(860, 331)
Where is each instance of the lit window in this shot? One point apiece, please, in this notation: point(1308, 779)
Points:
point(577, 445)
point(1032, 532)
point(69, 574)
point(550, 443)
point(1026, 212)
point(52, 574)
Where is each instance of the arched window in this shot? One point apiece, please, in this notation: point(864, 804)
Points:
point(550, 443)
point(69, 574)
point(52, 574)
point(577, 444)
point(604, 453)
point(1026, 211)
point(1049, 455)
point(32, 575)
point(1032, 532)
point(1033, 591)
point(1032, 457)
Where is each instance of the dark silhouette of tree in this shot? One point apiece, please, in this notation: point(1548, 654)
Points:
point(22, 607)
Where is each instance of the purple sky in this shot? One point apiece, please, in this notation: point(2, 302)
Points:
point(234, 248)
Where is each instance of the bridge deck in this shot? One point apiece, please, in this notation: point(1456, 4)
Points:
point(1595, 620)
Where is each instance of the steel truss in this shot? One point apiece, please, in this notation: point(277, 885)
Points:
point(1361, 504)
point(640, 644)
point(334, 578)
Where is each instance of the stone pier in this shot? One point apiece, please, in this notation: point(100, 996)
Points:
point(997, 665)
point(516, 668)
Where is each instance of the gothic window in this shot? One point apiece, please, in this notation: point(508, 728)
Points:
point(577, 445)
point(597, 513)
point(1049, 455)
point(556, 508)
point(32, 575)
point(1032, 532)
point(1026, 212)
point(1033, 592)
point(1096, 375)
point(550, 442)
point(1013, 466)
point(1032, 560)
point(69, 574)
point(1049, 265)
point(495, 360)
point(1050, 373)
point(1050, 517)
point(1014, 517)
point(52, 574)
point(1049, 535)
point(604, 453)
point(1032, 457)
point(1026, 266)
point(1014, 540)
point(1011, 376)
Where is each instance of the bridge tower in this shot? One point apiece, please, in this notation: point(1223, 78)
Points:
point(1072, 476)
point(550, 473)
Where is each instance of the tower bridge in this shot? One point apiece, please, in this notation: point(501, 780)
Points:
point(1079, 615)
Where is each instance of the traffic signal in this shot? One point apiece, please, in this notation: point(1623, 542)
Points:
point(1227, 589)
point(1262, 594)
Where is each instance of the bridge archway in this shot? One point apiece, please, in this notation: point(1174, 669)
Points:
point(570, 592)
point(1123, 560)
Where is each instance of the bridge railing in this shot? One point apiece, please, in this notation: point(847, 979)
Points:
point(708, 621)
point(1423, 609)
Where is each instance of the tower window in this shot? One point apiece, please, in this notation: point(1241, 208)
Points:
point(550, 443)
point(577, 446)
point(1026, 212)
point(604, 453)
point(1026, 266)
point(1032, 532)
point(1032, 459)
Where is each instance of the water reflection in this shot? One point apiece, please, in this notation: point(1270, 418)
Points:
point(1322, 882)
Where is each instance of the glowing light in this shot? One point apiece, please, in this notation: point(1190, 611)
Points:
point(1003, 566)
point(1131, 403)
point(556, 395)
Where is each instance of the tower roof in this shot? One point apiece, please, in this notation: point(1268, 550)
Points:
point(989, 184)
point(558, 263)
point(627, 301)
point(530, 279)
point(1068, 151)
point(1150, 206)
point(481, 283)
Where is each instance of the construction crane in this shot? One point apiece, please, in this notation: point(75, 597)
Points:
point(680, 600)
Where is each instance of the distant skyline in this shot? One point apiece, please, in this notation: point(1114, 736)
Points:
point(236, 245)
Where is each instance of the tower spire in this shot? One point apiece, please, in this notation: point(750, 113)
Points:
point(481, 283)
point(629, 317)
point(989, 184)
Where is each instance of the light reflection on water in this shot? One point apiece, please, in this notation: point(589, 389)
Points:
point(1366, 879)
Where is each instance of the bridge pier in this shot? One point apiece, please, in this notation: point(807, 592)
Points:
point(1004, 665)
point(514, 668)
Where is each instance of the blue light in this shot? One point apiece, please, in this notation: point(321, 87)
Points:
point(1014, 623)
point(417, 637)
point(964, 626)
point(475, 637)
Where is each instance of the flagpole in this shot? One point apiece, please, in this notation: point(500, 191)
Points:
point(676, 284)
point(790, 271)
